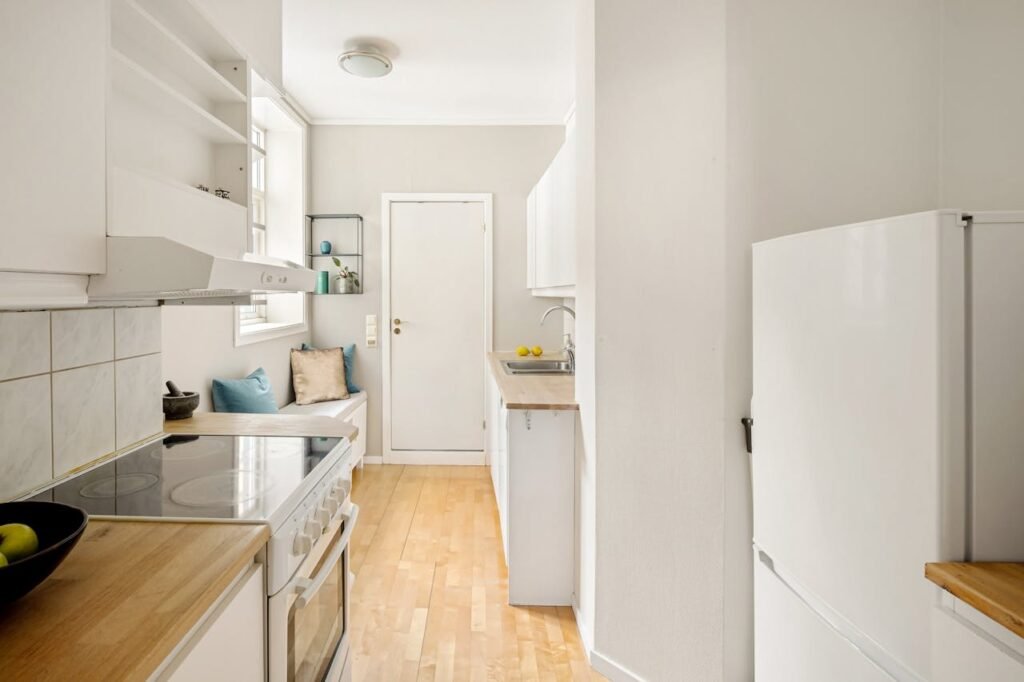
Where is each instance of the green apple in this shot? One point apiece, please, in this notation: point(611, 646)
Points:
point(3, 561)
point(17, 541)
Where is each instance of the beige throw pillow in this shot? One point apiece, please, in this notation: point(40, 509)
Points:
point(318, 375)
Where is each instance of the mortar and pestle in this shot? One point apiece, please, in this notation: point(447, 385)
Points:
point(178, 405)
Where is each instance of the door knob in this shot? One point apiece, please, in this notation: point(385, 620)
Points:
point(397, 330)
point(397, 322)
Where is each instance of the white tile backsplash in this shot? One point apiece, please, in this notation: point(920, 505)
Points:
point(24, 435)
point(24, 344)
point(64, 399)
point(139, 402)
point(83, 416)
point(82, 337)
point(136, 331)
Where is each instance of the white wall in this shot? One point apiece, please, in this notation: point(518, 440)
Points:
point(353, 165)
point(255, 26)
point(659, 220)
point(199, 346)
point(983, 104)
point(585, 329)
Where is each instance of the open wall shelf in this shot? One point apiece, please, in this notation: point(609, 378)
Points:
point(345, 232)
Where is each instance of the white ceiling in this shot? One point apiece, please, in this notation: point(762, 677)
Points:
point(456, 61)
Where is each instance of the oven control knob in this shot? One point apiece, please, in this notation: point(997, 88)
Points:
point(303, 543)
point(332, 503)
point(323, 518)
point(314, 528)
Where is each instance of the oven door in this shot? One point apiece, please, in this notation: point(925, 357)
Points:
point(309, 618)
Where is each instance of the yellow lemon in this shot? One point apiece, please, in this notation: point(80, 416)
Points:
point(522, 351)
point(538, 351)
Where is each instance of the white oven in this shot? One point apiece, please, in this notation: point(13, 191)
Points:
point(308, 617)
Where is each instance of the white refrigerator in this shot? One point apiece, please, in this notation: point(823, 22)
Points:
point(888, 432)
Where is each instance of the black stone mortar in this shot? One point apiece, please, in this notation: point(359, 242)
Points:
point(178, 404)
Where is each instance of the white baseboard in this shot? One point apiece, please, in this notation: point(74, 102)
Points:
point(612, 670)
point(433, 458)
point(607, 667)
point(583, 632)
point(373, 459)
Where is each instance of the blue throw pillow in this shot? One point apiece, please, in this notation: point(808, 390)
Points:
point(251, 394)
point(349, 353)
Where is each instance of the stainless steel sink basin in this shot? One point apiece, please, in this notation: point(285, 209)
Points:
point(537, 367)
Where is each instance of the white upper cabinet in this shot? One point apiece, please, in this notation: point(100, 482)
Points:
point(551, 224)
point(53, 66)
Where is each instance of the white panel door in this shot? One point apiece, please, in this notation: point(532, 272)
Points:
point(854, 389)
point(997, 323)
point(437, 326)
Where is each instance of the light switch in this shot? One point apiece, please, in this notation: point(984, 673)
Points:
point(371, 331)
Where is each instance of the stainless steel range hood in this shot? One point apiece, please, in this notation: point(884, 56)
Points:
point(157, 268)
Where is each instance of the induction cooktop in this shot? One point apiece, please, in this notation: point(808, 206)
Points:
point(242, 478)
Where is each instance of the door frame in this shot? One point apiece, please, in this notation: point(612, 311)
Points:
point(384, 330)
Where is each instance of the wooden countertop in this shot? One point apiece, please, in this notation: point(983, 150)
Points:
point(232, 424)
point(995, 589)
point(523, 392)
point(123, 599)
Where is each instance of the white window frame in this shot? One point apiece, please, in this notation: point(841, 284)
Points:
point(251, 324)
point(253, 317)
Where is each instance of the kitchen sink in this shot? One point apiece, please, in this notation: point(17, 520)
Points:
point(535, 367)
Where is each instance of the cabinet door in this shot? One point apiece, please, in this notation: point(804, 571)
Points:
point(563, 239)
point(53, 56)
point(503, 455)
point(544, 269)
point(531, 239)
point(539, 515)
point(232, 646)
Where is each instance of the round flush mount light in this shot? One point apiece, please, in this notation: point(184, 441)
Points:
point(364, 63)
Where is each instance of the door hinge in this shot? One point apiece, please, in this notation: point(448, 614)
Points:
point(483, 227)
point(485, 425)
point(748, 428)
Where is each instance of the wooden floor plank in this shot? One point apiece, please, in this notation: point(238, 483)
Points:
point(430, 600)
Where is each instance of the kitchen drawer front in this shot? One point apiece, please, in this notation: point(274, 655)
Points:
point(229, 644)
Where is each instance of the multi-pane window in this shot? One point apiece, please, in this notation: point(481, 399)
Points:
point(256, 313)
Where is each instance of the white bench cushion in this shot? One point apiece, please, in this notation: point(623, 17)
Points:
point(329, 408)
point(351, 410)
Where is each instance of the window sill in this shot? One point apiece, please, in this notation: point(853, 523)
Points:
point(256, 333)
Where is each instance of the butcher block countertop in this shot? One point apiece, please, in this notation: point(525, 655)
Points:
point(232, 424)
point(525, 392)
point(995, 589)
point(123, 599)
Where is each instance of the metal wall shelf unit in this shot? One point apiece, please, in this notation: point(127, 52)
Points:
point(347, 229)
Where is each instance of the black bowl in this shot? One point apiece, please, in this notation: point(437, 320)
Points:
point(58, 527)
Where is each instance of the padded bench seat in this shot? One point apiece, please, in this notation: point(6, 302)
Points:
point(351, 410)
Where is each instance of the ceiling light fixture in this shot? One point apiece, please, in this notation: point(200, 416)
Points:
point(364, 63)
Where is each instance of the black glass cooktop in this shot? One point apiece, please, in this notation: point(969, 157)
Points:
point(218, 477)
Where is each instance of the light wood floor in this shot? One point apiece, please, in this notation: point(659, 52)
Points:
point(430, 600)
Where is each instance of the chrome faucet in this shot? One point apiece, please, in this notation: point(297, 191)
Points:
point(570, 347)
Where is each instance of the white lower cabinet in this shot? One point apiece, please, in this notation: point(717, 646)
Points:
point(532, 470)
point(230, 642)
point(966, 645)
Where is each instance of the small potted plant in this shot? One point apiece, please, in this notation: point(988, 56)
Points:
point(348, 280)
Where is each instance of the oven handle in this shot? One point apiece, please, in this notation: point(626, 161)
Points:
point(310, 586)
